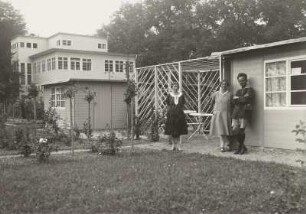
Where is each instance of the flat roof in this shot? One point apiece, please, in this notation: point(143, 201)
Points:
point(262, 46)
point(53, 50)
point(86, 80)
point(59, 33)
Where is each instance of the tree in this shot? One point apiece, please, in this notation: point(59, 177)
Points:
point(11, 24)
point(89, 96)
point(70, 94)
point(171, 30)
point(32, 94)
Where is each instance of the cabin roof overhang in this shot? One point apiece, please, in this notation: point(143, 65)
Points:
point(260, 47)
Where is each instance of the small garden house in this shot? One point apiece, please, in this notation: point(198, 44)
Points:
point(277, 72)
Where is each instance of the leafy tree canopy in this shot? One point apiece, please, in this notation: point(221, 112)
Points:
point(11, 24)
point(169, 30)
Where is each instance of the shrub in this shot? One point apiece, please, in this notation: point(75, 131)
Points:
point(25, 145)
point(87, 128)
point(4, 136)
point(300, 132)
point(51, 118)
point(107, 144)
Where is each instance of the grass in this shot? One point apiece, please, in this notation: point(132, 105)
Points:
point(149, 182)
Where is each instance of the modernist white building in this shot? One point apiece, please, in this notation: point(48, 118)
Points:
point(62, 60)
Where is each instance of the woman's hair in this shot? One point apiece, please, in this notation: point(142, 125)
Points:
point(222, 81)
point(175, 83)
point(242, 75)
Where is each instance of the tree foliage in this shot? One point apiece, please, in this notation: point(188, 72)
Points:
point(11, 24)
point(169, 30)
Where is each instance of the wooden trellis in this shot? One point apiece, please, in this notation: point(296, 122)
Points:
point(197, 79)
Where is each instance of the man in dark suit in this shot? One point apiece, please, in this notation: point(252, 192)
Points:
point(242, 112)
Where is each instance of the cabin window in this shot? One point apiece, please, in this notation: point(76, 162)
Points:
point(22, 73)
point(43, 65)
point(34, 45)
point(86, 64)
point(62, 63)
point(109, 66)
point(38, 67)
point(53, 66)
point(29, 45)
point(57, 97)
point(66, 42)
point(49, 64)
point(29, 73)
point(298, 82)
point(285, 83)
point(75, 64)
point(131, 66)
point(119, 66)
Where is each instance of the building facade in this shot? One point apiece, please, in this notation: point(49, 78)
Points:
point(68, 60)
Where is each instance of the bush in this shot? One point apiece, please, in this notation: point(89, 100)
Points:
point(107, 144)
point(300, 131)
point(51, 118)
point(87, 128)
point(25, 145)
point(4, 136)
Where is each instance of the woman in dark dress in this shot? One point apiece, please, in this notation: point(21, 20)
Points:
point(176, 124)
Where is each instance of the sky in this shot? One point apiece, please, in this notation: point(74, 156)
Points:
point(47, 17)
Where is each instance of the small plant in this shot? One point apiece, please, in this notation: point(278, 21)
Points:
point(137, 130)
point(25, 145)
point(88, 129)
point(108, 144)
point(157, 121)
point(4, 136)
point(44, 146)
point(300, 131)
point(51, 118)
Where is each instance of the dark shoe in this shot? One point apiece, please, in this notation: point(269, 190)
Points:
point(237, 152)
point(243, 150)
point(222, 150)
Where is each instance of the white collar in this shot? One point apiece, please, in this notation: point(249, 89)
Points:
point(223, 93)
point(176, 95)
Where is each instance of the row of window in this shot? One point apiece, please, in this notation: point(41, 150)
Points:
point(285, 83)
point(64, 42)
point(61, 63)
point(24, 44)
point(120, 66)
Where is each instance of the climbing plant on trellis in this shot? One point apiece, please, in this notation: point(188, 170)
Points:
point(197, 79)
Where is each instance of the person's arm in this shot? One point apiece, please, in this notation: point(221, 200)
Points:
point(246, 98)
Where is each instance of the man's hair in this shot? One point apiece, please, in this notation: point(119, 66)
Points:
point(242, 75)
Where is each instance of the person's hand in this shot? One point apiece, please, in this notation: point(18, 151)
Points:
point(235, 97)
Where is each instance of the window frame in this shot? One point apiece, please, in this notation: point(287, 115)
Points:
point(109, 64)
point(287, 75)
point(55, 93)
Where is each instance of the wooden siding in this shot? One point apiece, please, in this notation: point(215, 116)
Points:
point(253, 67)
point(107, 109)
point(270, 127)
point(279, 125)
point(119, 111)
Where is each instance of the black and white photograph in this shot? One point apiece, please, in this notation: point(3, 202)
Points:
point(153, 106)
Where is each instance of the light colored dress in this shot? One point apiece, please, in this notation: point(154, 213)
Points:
point(221, 119)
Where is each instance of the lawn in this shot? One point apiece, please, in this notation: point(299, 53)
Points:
point(149, 182)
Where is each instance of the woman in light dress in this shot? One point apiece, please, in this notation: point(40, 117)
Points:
point(221, 119)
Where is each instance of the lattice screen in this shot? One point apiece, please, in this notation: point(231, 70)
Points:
point(197, 78)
